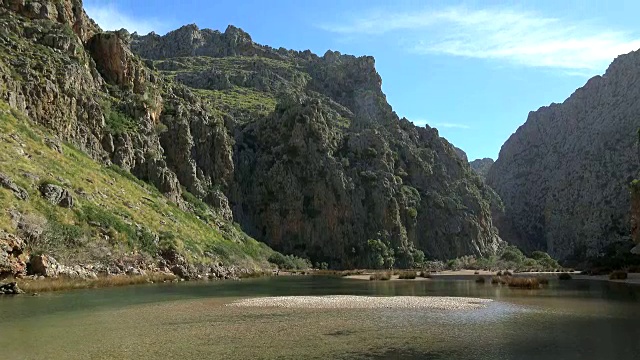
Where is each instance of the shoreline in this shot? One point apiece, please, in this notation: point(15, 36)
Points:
point(34, 286)
point(633, 278)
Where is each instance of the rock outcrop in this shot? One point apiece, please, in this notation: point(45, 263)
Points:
point(56, 195)
point(635, 215)
point(564, 175)
point(12, 257)
point(481, 166)
point(19, 192)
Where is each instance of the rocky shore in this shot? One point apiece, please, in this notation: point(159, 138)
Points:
point(16, 263)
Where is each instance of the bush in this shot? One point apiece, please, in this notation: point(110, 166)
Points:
point(618, 275)
point(380, 255)
point(380, 276)
point(117, 122)
point(513, 254)
point(289, 262)
point(523, 283)
point(495, 280)
point(564, 276)
point(507, 273)
point(407, 275)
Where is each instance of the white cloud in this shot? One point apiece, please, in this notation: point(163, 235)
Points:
point(519, 37)
point(423, 122)
point(451, 126)
point(109, 17)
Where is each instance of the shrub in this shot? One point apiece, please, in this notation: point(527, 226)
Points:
point(499, 273)
point(618, 275)
point(513, 254)
point(507, 273)
point(117, 122)
point(495, 280)
point(523, 283)
point(407, 275)
point(480, 280)
point(564, 276)
point(425, 274)
point(289, 262)
point(380, 276)
point(476, 272)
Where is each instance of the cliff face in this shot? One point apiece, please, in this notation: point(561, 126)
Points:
point(481, 166)
point(564, 174)
point(321, 163)
point(303, 151)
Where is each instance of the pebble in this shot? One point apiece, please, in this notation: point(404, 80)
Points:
point(365, 302)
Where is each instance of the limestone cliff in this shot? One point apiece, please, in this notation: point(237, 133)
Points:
point(564, 174)
point(321, 163)
point(481, 166)
point(303, 151)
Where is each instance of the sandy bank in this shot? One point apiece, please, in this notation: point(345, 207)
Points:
point(365, 302)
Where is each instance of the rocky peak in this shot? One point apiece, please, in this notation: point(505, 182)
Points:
point(481, 166)
point(69, 12)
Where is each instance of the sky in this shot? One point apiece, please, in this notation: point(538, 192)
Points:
point(472, 69)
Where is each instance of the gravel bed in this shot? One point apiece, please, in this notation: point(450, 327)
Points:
point(365, 302)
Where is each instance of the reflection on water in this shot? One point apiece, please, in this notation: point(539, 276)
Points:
point(568, 320)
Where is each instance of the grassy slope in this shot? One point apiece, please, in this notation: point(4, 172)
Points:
point(129, 211)
point(238, 99)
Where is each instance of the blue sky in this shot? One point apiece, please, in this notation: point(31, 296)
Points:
point(472, 69)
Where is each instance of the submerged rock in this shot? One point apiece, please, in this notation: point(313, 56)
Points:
point(10, 289)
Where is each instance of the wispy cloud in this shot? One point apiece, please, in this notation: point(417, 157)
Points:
point(423, 122)
point(110, 17)
point(520, 37)
point(451, 125)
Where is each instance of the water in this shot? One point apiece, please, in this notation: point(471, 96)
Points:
point(568, 320)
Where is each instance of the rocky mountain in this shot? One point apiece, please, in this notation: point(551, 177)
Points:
point(481, 166)
point(564, 175)
point(302, 151)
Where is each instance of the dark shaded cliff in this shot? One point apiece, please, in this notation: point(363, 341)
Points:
point(564, 175)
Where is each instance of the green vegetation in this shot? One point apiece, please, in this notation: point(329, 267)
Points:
point(523, 282)
point(289, 262)
point(509, 257)
point(407, 275)
point(116, 121)
point(64, 283)
point(618, 275)
point(380, 255)
point(564, 276)
point(114, 213)
point(615, 256)
point(380, 276)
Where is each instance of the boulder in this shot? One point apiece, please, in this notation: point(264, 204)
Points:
point(43, 265)
point(11, 256)
point(10, 289)
point(56, 195)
